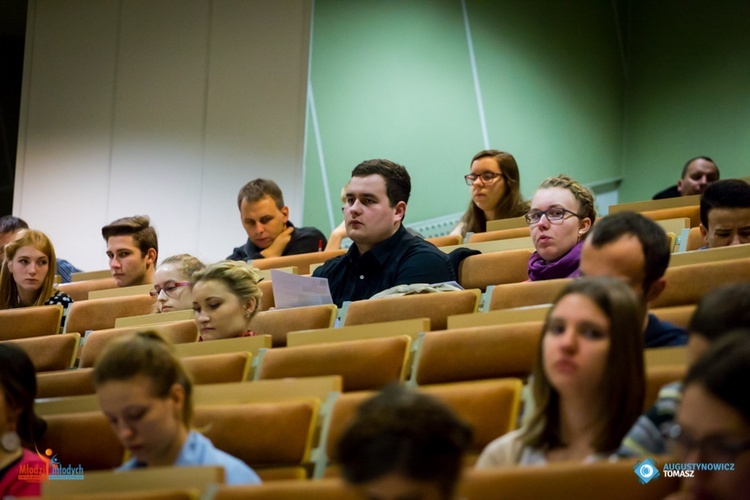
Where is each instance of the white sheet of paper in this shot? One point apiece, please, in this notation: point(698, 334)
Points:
point(293, 290)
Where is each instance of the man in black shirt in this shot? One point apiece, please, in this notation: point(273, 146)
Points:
point(266, 221)
point(383, 254)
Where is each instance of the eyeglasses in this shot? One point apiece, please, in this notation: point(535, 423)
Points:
point(486, 177)
point(554, 214)
point(168, 288)
point(714, 448)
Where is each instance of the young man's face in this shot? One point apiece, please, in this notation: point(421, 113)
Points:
point(727, 227)
point(263, 220)
point(368, 213)
point(129, 267)
point(699, 174)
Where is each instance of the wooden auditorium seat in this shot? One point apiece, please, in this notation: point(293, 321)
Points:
point(158, 494)
point(218, 368)
point(709, 255)
point(253, 345)
point(90, 275)
point(274, 439)
point(121, 291)
point(503, 234)
point(665, 356)
point(363, 364)
point(691, 212)
point(481, 271)
point(476, 353)
point(61, 383)
point(529, 293)
point(147, 320)
point(99, 314)
point(79, 290)
point(27, 322)
point(302, 261)
point(279, 322)
point(447, 240)
point(500, 224)
point(83, 438)
point(266, 301)
point(178, 332)
point(435, 306)
point(321, 489)
point(53, 352)
point(500, 316)
point(687, 284)
point(410, 327)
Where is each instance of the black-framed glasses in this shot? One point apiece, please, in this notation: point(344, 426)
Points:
point(486, 177)
point(714, 448)
point(168, 288)
point(554, 214)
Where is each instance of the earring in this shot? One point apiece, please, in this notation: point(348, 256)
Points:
point(10, 442)
point(247, 314)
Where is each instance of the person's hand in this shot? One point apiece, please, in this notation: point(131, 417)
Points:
point(276, 248)
point(337, 235)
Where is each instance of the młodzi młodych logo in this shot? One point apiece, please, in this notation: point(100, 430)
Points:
point(50, 469)
point(646, 470)
point(58, 471)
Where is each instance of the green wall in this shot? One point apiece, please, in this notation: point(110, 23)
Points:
point(393, 79)
point(688, 91)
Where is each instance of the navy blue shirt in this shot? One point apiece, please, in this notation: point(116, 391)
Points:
point(402, 259)
point(662, 334)
point(304, 240)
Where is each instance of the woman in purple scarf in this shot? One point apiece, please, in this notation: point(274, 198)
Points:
point(562, 211)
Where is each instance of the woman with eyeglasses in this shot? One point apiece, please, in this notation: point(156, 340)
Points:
point(714, 421)
point(588, 379)
point(562, 211)
point(495, 191)
point(225, 299)
point(172, 282)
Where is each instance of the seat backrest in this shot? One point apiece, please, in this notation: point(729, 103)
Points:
point(529, 293)
point(302, 261)
point(692, 212)
point(695, 239)
point(64, 383)
point(83, 438)
point(502, 234)
point(27, 322)
point(410, 327)
point(138, 483)
point(262, 434)
point(657, 377)
point(321, 489)
point(571, 480)
point(687, 284)
point(649, 205)
point(53, 352)
point(675, 225)
point(709, 255)
point(121, 291)
point(476, 353)
point(279, 322)
point(499, 317)
point(363, 364)
point(179, 332)
point(266, 301)
point(481, 271)
point(665, 356)
point(446, 240)
point(220, 346)
point(99, 314)
point(79, 290)
point(155, 318)
point(677, 315)
point(500, 224)
point(218, 368)
point(90, 275)
point(435, 306)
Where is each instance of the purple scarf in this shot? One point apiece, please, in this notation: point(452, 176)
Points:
point(564, 267)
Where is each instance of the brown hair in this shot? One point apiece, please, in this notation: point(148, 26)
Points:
point(139, 227)
point(240, 277)
point(623, 385)
point(8, 288)
point(584, 197)
point(149, 354)
point(258, 189)
point(510, 205)
point(187, 264)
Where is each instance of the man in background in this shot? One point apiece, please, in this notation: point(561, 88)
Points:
point(697, 173)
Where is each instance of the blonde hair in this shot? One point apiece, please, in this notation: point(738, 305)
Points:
point(9, 297)
point(187, 264)
point(584, 197)
point(240, 277)
point(149, 354)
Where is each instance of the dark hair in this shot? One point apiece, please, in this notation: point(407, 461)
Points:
point(139, 227)
point(149, 354)
point(397, 180)
point(18, 383)
point(691, 160)
point(724, 371)
point(729, 193)
point(400, 430)
point(9, 223)
point(721, 310)
point(258, 189)
point(510, 205)
point(654, 241)
point(623, 385)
